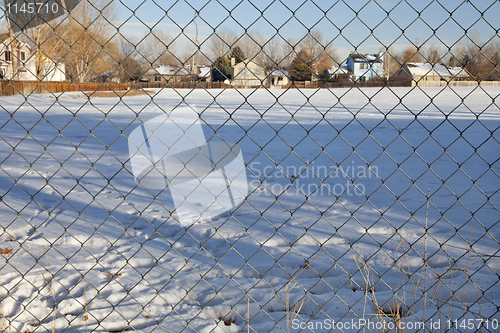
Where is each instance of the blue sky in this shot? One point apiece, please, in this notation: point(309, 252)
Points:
point(348, 25)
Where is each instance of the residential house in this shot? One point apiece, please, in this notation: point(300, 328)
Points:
point(365, 67)
point(53, 71)
point(338, 73)
point(278, 77)
point(203, 73)
point(25, 63)
point(169, 74)
point(433, 72)
point(22, 61)
point(248, 73)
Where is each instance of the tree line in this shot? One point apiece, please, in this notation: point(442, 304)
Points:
point(88, 44)
point(480, 58)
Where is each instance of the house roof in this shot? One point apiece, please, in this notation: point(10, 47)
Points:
point(421, 69)
point(4, 39)
point(245, 62)
point(458, 71)
point(336, 70)
point(357, 57)
point(204, 72)
point(278, 72)
point(168, 70)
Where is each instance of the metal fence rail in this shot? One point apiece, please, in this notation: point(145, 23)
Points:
point(280, 166)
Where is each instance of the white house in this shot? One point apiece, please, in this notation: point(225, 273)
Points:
point(433, 72)
point(53, 71)
point(22, 60)
point(248, 73)
point(168, 73)
point(278, 77)
point(25, 62)
point(204, 73)
point(335, 72)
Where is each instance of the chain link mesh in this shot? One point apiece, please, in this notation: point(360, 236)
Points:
point(344, 157)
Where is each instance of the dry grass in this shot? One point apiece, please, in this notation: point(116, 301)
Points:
point(288, 289)
point(126, 93)
point(86, 316)
point(396, 309)
point(111, 276)
point(4, 323)
point(248, 313)
point(52, 292)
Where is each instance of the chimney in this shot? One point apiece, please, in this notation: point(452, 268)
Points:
point(233, 61)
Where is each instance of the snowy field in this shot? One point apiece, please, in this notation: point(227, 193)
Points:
point(339, 176)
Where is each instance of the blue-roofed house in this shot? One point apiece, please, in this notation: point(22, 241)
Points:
point(365, 67)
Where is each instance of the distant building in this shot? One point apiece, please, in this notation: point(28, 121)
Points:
point(169, 74)
point(203, 73)
point(278, 77)
point(177, 74)
point(248, 73)
point(53, 71)
point(338, 73)
point(365, 67)
point(433, 72)
point(22, 60)
point(25, 63)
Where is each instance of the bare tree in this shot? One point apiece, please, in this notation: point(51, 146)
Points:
point(433, 55)
point(159, 48)
point(221, 42)
point(290, 50)
point(251, 44)
point(456, 55)
point(192, 55)
point(130, 62)
point(413, 53)
point(321, 55)
point(391, 62)
point(479, 58)
point(45, 44)
point(274, 53)
point(40, 32)
point(13, 46)
point(87, 49)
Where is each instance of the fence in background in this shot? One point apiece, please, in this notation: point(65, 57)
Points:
point(9, 88)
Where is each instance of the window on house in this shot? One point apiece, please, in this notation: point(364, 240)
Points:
point(23, 56)
point(242, 71)
point(157, 78)
point(7, 56)
point(257, 71)
point(363, 66)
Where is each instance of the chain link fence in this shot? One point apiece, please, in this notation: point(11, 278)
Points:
point(251, 166)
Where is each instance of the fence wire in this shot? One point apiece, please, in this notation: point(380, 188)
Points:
point(219, 166)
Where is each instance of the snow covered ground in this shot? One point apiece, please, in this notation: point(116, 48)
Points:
point(119, 260)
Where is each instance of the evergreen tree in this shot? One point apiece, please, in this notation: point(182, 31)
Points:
point(238, 54)
point(300, 69)
point(221, 69)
